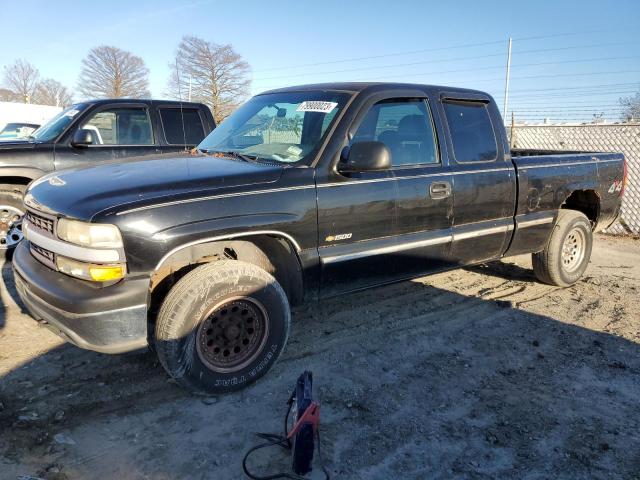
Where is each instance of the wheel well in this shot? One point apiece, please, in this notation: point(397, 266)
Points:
point(15, 181)
point(276, 255)
point(585, 201)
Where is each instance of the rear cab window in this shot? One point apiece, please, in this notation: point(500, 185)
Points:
point(471, 131)
point(173, 120)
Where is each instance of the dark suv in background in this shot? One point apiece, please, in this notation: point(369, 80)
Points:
point(94, 132)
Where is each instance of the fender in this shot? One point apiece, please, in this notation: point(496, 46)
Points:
point(281, 249)
point(228, 236)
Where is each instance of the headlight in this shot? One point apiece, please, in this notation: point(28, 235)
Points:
point(90, 271)
point(98, 235)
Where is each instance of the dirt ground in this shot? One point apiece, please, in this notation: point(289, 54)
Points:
point(475, 373)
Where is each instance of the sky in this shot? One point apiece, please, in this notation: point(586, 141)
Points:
point(570, 59)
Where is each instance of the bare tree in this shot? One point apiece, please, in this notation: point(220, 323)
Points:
point(52, 92)
point(21, 78)
point(216, 75)
point(113, 73)
point(631, 107)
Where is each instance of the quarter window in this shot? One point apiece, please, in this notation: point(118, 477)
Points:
point(471, 131)
point(405, 127)
point(172, 121)
point(120, 126)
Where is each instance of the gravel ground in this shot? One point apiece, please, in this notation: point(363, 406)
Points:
point(474, 373)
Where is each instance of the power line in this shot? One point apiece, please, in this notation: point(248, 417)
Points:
point(570, 94)
point(574, 103)
point(556, 75)
point(386, 55)
point(422, 62)
point(603, 85)
point(567, 111)
point(496, 67)
point(433, 49)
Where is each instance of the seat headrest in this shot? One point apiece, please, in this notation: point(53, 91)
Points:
point(411, 125)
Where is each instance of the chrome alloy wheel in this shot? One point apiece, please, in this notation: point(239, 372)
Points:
point(10, 226)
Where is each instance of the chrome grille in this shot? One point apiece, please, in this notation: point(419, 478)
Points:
point(42, 223)
point(43, 253)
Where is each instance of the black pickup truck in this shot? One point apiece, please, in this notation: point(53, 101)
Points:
point(94, 132)
point(302, 193)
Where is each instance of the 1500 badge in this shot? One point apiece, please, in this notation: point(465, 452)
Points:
point(342, 236)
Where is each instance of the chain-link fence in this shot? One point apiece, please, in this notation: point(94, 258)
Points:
point(624, 137)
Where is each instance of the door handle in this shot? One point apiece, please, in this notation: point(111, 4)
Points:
point(439, 190)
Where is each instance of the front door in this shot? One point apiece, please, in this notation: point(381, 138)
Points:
point(382, 226)
point(118, 133)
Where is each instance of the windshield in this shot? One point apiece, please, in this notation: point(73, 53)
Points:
point(57, 124)
point(286, 127)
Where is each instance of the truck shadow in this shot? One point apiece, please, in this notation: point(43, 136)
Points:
point(504, 270)
point(414, 381)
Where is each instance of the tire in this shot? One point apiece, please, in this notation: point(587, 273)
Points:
point(222, 327)
point(11, 212)
point(567, 254)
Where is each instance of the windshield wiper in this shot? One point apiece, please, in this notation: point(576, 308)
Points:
point(231, 153)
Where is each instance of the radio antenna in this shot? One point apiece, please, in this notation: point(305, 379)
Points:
point(184, 133)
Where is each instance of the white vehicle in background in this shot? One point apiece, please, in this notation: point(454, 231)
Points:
point(16, 130)
point(23, 116)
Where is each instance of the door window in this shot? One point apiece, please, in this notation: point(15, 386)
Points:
point(405, 127)
point(120, 126)
point(173, 120)
point(471, 131)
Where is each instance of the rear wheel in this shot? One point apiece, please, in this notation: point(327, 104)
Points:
point(11, 212)
point(567, 254)
point(222, 326)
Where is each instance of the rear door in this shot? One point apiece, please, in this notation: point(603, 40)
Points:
point(181, 128)
point(119, 131)
point(484, 185)
point(378, 227)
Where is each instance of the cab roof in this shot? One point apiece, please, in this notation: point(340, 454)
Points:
point(358, 87)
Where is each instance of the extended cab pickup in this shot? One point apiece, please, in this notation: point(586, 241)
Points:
point(301, 193)
point(89, 133)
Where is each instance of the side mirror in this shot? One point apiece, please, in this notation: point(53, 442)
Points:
point(82, 137)
point(366, 156)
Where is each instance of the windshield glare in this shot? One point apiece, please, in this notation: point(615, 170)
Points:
point(286, 127)
point(57, 124)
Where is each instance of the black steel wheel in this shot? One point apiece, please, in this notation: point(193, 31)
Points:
point(232, 334)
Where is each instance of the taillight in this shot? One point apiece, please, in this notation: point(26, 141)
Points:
point(624, 176)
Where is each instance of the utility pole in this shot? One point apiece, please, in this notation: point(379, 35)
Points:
point(190, 78)
point(506, 83)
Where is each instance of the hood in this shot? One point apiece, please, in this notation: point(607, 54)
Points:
point(82, 193)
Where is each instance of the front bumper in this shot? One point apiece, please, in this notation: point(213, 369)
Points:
point(110, 319)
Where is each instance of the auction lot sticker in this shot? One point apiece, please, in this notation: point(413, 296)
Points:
point(316, 106)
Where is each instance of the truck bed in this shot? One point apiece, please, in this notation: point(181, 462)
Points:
point(548, 179)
